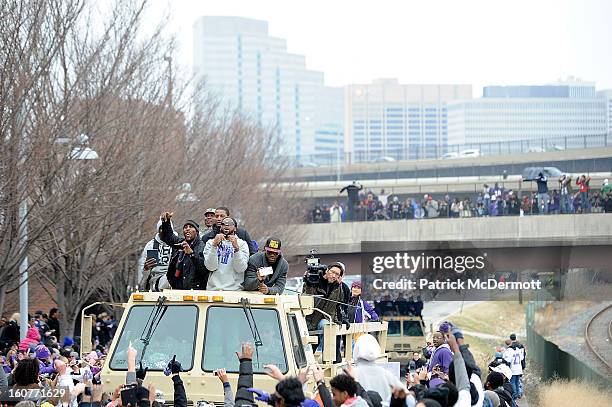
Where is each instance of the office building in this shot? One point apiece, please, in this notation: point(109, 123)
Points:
point(329, 126)
point(388, 120)
point(607, 96)
point(252, 71)
point(557, 116)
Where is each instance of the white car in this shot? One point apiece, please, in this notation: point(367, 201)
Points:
point(384, 159)
point(472, 152)
point(449, 156)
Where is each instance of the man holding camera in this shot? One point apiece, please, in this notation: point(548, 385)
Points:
point(267, 270)
point(332, 297)
point(226, 257)
point(186, 269)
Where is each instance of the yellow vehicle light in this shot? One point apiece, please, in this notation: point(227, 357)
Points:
point(202, 297)
point(187, 297)
point(269, 300)
point(138, 297)
point(217, 298)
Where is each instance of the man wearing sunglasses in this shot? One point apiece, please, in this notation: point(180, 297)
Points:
point(226, 258)
point(267, 270)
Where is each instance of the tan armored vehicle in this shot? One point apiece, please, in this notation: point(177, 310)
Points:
point(404, 336)
point(205, 329)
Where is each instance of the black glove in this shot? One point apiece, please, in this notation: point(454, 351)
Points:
point(174, 366)
point(141, 373)
point(346, 324)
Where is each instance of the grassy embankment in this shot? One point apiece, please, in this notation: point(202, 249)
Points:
point(498, 318)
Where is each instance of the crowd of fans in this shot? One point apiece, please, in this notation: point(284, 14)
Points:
point(491, 201)
point(218, 257)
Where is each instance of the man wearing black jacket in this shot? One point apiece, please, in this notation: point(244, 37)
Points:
point(221, 213)
point(186, 269)
point(332, 297)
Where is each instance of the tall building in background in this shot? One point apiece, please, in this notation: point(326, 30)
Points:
point(607, 96)
point(388, 120)
point(253, 72)
point(329, 126)
point(561, 115)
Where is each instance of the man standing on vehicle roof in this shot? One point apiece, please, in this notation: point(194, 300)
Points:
point(152, 270)
point(186, 269)
point(267, 271)
point(209, 221)
point(221, 213)
point(226, 256)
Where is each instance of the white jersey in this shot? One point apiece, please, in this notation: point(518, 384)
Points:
point(164, 252)
point(515, 356)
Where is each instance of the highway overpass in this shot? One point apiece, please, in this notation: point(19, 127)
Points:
point(570, 161)
point(334, 238)
point(327, 191)
point(342, 241)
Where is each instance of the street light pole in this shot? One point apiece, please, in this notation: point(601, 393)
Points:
point(23, 271)
point(78, 153)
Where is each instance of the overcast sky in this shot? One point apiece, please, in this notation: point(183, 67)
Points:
point(477, 42)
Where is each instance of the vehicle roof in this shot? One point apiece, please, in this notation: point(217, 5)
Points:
point(218, 297)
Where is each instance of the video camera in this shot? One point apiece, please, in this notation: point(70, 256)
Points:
point(314, 269)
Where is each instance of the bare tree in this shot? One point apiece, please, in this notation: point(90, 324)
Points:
point(88, 219)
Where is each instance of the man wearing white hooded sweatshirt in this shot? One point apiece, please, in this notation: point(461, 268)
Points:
point(372, 376)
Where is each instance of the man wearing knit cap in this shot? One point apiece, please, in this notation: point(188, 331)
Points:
point(186, 269)
point(153, 263)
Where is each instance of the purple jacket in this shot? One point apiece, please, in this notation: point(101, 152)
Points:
point(360, 306)
point(442, 356)
point(45, 369)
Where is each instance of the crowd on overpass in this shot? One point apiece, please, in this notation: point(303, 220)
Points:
point(570, 196)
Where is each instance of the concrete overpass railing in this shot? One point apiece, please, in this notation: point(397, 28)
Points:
point(336, 238)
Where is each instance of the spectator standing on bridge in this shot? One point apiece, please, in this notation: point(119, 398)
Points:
point(271, 257)
point(486, 195)
point(456, 208)
point(395, 208)
point(226, 256)
point(335, 213)
point(442, 355)
point(607, 199)
point(606, 188)
point(352, 190)
point(543, 197)
point(432, 207)
point(555, 203)
point(596, 202)
point(565, 194)
point(186, 269)
point(583, 183)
